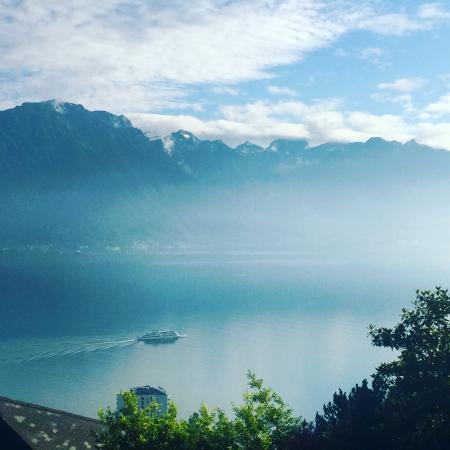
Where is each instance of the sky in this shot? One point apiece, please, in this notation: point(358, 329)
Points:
point(237, 70)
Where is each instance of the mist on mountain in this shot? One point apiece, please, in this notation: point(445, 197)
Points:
point(72, 178)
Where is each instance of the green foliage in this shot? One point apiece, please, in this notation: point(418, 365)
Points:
point(348, 422)
point(133, 428)
point(210, 430)
point(416, 386)
point(263, 422)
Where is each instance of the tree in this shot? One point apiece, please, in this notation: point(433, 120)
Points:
point(263, 421)
point(210, 430)
point(416, 386)
point(138, 429)
point(350, 421)
point(408, 405)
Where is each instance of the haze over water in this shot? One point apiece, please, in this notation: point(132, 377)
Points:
point(68, 325)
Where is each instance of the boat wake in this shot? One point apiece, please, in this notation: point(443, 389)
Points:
point(32, 351)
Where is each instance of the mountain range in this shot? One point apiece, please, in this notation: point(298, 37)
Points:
point(54, 143)
point(72, 175)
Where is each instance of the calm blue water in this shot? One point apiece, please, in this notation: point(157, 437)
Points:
point(68, 326)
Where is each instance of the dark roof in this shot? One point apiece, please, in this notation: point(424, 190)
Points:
point(46, 428)
point(149, 390)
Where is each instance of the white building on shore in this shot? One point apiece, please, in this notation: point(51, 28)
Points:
point(146, 395)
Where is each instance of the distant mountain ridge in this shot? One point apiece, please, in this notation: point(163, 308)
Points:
point(60, 144)
point(76, 177)
point(56, 142)
point(295, 158)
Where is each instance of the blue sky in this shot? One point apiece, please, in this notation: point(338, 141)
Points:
point(322, 70)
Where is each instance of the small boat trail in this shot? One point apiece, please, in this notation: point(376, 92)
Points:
point(19, 351)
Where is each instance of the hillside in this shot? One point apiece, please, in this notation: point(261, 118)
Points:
point(62, 144)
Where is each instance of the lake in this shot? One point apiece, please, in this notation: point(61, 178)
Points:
point(68, 325)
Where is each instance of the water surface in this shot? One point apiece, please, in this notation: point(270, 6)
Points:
point(68, 325)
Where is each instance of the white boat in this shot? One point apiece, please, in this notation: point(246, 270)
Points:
point(161, 336)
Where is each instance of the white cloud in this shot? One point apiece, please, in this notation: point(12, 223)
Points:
point(433, 11)
point(404, 100)
point(261, 122)
point(403, 84)
point(167, 143)
point(437, 109)
point(394, 24)
point(282, 91)
point(231, 132)
point(319, 122)
point(142, 55)
point(434, 134)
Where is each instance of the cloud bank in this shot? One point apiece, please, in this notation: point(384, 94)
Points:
point(324, 121)
point(140, 55)
point(143, 55)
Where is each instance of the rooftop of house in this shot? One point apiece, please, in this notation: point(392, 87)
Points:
point(149, 390)
point(47, 428)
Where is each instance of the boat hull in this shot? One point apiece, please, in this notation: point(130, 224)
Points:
point(141, 339)
point(160, 339)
